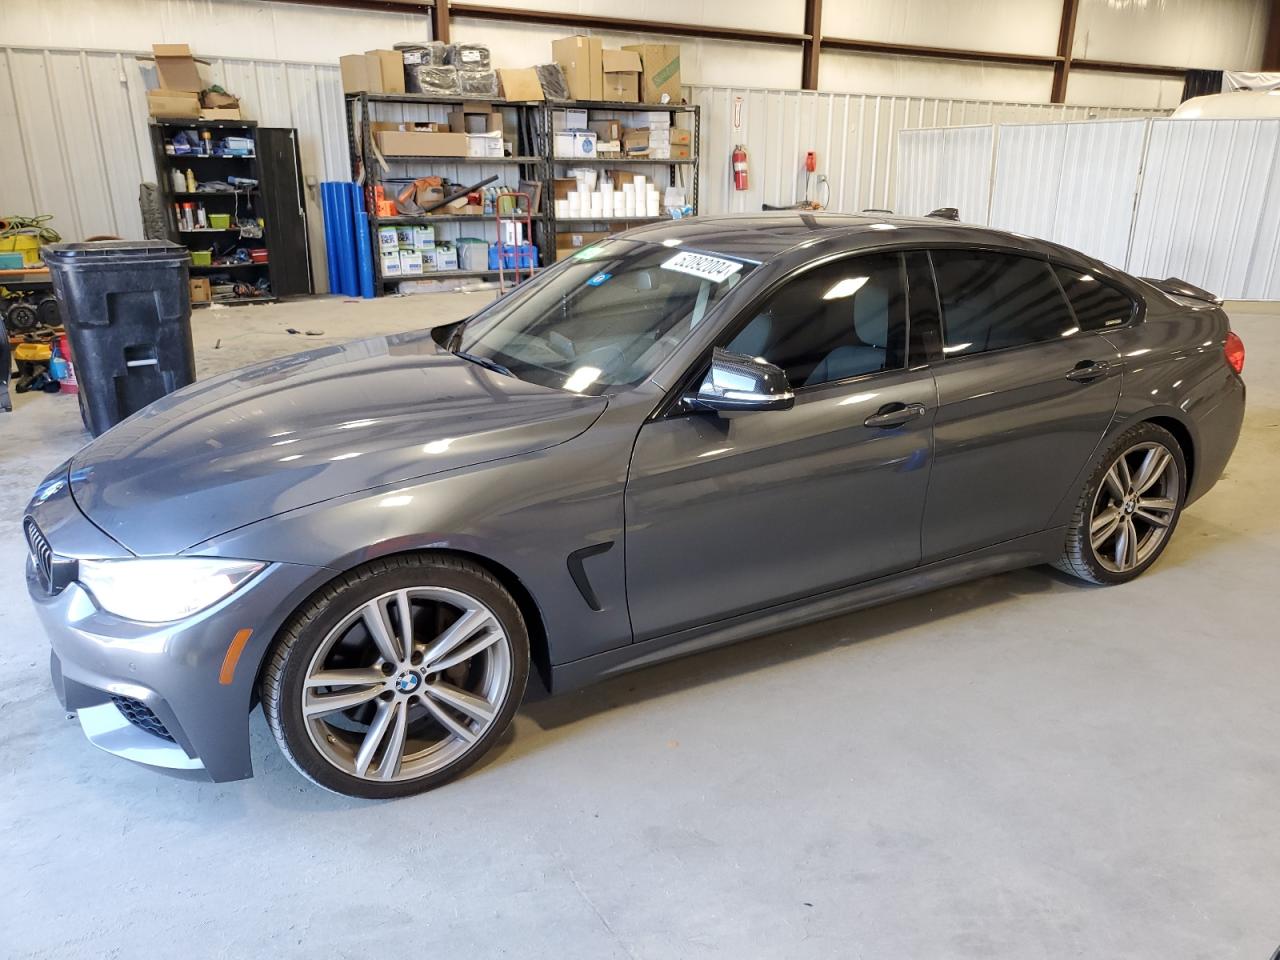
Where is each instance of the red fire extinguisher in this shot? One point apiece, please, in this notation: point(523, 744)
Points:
point(740, 167)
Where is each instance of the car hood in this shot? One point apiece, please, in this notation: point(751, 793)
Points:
point(301, 429)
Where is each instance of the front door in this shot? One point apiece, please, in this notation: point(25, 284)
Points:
point(726, 515)
point(1026, 391)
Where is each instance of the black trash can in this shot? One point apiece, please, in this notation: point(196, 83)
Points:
point(127, 310)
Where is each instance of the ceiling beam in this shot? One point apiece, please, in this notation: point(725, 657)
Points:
point(938, 53)
point(1066, 41)
point(1141, 69)
point(474, 11)
point(440, 21)
point(811, 49)
point(412, 7)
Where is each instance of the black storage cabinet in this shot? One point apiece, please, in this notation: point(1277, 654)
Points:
point(127, 311)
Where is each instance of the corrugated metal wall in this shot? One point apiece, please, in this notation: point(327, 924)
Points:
point(1196, 199)
point(945, 167)
point(74, 144)
point(1074, 183)
point(1209, 208)
point(855, 137)
point(74, 141)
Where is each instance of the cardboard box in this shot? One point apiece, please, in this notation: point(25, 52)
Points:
point(401, 143)
point(575, 144)
point(568, 120)
point(201, 290)
point(680, 135)
point(563, 186)
point(484, 144)
point(680, 151)
point(606, 129)
point(520, 84)
point(660, 71)
point(220, 113)
point(360, 73)
point(390, 67)
point(635, 140)
point(173, 103)
point(621, 76)
point(569, 243)
point(470, 121)
point(580, 59)
point(176, 67)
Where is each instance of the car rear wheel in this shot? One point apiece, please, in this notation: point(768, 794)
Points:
point(1128, 509)
point(397, 677)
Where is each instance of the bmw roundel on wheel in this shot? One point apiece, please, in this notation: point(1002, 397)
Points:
point(679, 437)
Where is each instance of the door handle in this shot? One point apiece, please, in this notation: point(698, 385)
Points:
point(895, 415)
point(1087, 370)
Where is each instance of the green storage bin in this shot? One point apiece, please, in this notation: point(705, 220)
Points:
point(201, 258)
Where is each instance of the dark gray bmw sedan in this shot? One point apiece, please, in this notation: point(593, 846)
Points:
point(690, 434)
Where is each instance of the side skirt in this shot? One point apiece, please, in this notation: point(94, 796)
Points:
point(1011, 555)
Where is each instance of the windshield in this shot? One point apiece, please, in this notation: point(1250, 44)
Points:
point(604, 319)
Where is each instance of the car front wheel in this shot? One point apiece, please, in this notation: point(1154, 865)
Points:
point(1128, 509)
point(398, 676)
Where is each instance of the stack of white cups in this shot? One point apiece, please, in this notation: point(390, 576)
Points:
point(562, 209)
point(653, 202)
point(606, 199)
point(628, 200)
point(574, 204)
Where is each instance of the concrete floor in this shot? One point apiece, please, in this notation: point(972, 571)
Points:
point(1020, 767)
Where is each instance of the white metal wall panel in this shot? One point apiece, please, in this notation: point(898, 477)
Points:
point(1208, 209)
point(854, 135)
point(1073, 183)
point(945, 167)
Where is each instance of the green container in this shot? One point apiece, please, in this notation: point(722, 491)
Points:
point(219, 221)
point(201, 258)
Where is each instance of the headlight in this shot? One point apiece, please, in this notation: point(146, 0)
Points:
point(170, 588)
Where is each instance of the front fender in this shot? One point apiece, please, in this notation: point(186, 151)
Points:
point(528, 514)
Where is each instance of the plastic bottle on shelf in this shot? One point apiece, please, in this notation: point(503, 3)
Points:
point(206, 143)
point(201, 219)
point(191, 180)
point(179, 180)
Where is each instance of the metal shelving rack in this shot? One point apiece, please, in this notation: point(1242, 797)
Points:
point(611, 110)
point(530, 165)
point(206, 167)
point(535, 161)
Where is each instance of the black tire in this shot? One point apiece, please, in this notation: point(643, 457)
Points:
point(1079, 558)
point(285, 670)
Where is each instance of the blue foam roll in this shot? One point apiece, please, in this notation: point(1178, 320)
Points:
point(348, 283)
point(364, 248)
point(328, 193)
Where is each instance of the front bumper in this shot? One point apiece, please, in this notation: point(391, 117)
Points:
point(169, 678)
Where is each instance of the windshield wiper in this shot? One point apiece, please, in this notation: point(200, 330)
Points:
point(485, 362)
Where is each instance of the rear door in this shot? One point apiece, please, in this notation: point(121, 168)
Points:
point(725, 515)
point(1024, 396)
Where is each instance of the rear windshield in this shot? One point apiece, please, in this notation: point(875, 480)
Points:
point(605, 318)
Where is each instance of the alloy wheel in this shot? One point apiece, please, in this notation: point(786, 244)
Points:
point(406, 683)
point(1134, 507)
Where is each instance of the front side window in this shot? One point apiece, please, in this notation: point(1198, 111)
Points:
point(991, 301)
point(1097, 304)
point(839, 320)
point(604, 319)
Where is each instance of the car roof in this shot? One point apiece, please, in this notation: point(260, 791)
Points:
point(764, 237)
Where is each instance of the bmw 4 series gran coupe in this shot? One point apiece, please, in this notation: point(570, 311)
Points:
point(682, 436)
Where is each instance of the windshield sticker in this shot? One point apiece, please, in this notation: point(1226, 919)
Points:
point(598, 279)
point(715, 269)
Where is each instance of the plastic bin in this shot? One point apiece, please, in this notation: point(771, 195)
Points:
point(125, 305)
point(473, 253)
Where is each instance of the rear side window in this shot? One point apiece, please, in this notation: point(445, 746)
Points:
point(991, 301)
point(1097, 304)
point(843, 319)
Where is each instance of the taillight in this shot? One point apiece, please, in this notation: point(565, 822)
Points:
point(1234, 350)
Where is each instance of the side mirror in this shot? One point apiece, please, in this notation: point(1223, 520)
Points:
point(737, 382)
